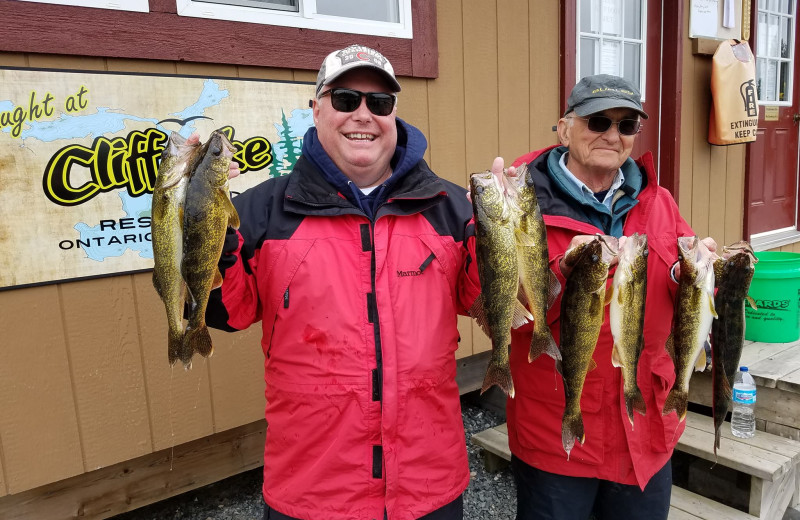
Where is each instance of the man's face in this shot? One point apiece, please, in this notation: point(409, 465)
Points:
point(592, 152)
point(360, 143)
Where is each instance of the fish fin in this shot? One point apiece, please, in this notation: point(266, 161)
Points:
point(543, 342)
point(560, 370)
point(700, 362)
point(521, 315)
point(478, 314)
point(196, 340)
point(554, 289)
point(615, 357)
point(174, 342)
point(233, 216)
point(522, 297)
point(523, 238)
point(712, 307)
point(676, 402)
point(592, 365)
point(571, 431)
point(634, 401)
point(752, 302)
point(608, 296)
point(500, 375)
point(217, 283)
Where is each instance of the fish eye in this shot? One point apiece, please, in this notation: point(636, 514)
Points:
point(479, 190)
point(529, 180)
point(595, 259)
point(645, 253)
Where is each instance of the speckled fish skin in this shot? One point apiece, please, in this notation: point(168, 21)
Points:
point(169, 194)
point(539, 285)
point(207, 214)
point(694, 313)
point(496, 255)
point(733, 273)
point(582, 314)
point(626, 317)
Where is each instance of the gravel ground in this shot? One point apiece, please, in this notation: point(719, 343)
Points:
point(489, 496)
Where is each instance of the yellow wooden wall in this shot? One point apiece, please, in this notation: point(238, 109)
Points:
point(711, 189)
point(84, 381)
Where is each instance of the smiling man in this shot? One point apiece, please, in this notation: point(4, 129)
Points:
point(357, 265)
point(590, 185)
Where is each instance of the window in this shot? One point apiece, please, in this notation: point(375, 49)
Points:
point(611, 36)
point(121, 5)
point(774, 51)
point(375, 17)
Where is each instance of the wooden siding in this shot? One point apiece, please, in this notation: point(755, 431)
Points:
point(81, 390)
point(711, 187)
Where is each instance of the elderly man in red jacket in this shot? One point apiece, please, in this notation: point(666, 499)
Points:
point(586, 186)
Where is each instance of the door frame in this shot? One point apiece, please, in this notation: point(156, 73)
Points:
point(668, 154)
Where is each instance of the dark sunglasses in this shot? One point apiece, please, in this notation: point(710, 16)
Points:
point(348, 100)
point(601, 124)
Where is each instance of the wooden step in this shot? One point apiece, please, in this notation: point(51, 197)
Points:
point(685, 505)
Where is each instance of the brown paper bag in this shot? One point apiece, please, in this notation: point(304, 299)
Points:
point(734, 103)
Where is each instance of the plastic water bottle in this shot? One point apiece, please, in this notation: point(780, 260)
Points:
point(743, 418)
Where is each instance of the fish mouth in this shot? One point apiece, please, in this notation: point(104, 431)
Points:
point(359, 136)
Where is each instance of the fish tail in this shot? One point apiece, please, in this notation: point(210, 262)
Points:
point(500, 375)
point(174, 345)
point(634, 401)
point(543, 343)
point(572, 430)
point(196, 340)
point(676, 401)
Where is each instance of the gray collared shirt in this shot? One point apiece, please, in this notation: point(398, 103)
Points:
point(588, 194)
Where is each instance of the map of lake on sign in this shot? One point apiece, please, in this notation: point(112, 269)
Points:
point(79, 154)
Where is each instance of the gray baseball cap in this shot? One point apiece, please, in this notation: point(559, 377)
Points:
point(353, 57)
point(601, 92)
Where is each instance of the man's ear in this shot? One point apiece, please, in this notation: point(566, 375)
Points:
point(563, 131)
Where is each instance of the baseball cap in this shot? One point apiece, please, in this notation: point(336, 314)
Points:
point(353, 57)
point(601, 92)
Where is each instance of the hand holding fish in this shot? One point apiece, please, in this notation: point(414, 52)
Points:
point(612, 243)
point(233, 168)
point(710, 244)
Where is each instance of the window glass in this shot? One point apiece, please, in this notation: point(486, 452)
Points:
point(611, 39)
point(775, 51)
point(390, 18)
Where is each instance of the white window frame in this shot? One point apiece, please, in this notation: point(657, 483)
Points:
point(599, 38)
point(306, 18)
point(791, 59)
point(141, 6)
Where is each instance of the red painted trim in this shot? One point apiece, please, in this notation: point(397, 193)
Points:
point(163, 35)
point(671, 94)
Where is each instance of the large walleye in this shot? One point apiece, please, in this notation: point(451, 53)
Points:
point(539, 286)
point(694, 312)
point(582, 314)
point(169, 193)
point(733, 273)
point(207, 214)
point(497, 309)
point(626, 316)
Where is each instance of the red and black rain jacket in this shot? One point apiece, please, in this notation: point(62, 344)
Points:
point(359, 333)
point(614, 450)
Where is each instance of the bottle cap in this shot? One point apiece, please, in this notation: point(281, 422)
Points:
point(743, 369)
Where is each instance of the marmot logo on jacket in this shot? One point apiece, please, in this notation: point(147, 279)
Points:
point(401, 274)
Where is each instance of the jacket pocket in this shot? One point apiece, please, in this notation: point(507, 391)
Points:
point(663, 428)
point(539, 415)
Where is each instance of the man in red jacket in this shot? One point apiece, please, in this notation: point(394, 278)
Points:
point(357, 265)
point(590, 185)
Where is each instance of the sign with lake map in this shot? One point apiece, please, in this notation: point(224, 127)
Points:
point(79, 154)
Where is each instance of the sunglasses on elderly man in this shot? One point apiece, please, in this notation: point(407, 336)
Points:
point(348, 100)
point(601, 124)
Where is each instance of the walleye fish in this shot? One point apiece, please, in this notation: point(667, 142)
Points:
point(497, 309)
point(539, 286)
point(582, 314)
point(733, 273)
point(626, 316)
point(694, 312)
point(167, 232)
point(207, 214)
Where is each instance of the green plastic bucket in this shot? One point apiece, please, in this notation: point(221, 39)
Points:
point(776, 291)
